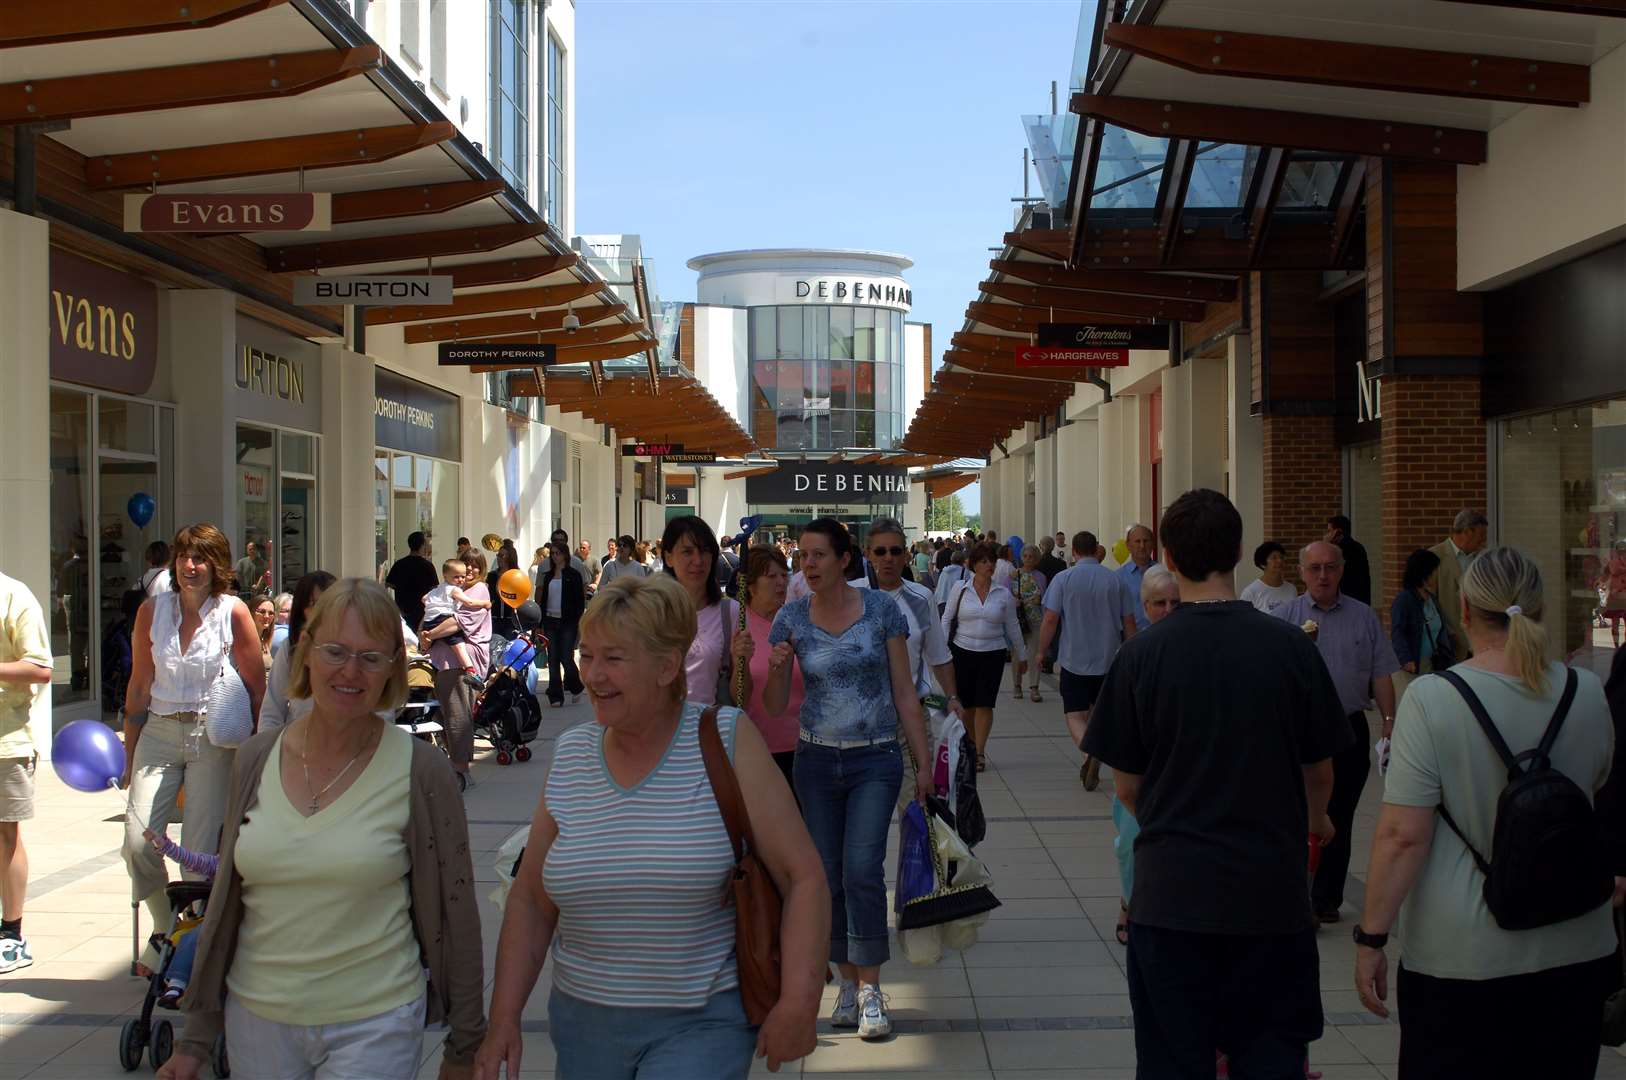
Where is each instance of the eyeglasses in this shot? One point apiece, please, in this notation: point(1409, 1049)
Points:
point(888, 551)
point(335, 655)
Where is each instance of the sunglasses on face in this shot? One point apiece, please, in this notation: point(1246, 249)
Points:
point(887, 551)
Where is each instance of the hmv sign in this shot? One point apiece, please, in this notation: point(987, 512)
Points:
point(796, 482)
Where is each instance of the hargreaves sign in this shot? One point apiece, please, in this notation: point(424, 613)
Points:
point(795, 483)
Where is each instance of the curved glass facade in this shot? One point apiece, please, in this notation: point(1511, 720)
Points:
point(826, 377)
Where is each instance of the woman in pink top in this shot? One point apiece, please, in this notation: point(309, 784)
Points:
point(691, 556)
point(763, 581)
point(1612, 584)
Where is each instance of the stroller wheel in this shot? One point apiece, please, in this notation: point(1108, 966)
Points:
point(218, 1059)
point(522, 754)
point(163, 1044)
point(132, 1041)
point(503, 757)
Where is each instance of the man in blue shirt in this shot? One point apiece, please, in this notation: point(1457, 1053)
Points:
point(1095, 616)
point(1362, 662)
point(1141, 550)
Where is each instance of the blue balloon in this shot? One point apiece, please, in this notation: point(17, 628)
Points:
point(87, 755)
point(141, 507)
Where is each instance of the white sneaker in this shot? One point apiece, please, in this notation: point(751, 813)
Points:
point(14, 954)
point(873, 1021)
point(845, 1014)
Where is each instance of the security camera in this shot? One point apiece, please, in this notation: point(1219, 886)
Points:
point(571, 323)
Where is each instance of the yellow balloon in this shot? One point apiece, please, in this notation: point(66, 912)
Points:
point(491, 541)
point(1120, 551)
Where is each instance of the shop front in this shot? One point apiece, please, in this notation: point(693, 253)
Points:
point(278, 381)
point(416, 465)
point(799, 491)
point(1555, 391)
point(111, 467)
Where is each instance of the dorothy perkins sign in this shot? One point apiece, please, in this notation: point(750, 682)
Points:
point(796, 482)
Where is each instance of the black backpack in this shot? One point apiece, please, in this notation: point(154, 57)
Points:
point(1548, 862)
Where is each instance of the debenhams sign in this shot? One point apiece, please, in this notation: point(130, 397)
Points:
point(820, 481)
point(859, 289)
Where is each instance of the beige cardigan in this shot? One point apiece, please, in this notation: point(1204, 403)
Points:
point(445, 912)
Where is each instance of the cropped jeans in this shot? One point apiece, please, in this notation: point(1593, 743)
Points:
point(847, 798)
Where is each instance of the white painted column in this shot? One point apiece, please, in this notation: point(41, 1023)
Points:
point(1246, 453)
point(1206, 413)
point(346, 488)
point(1178, 451)
point(1115, 477)
point(25, 413)
point(202, 337)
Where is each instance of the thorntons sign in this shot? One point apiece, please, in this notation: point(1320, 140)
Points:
point(797, 482)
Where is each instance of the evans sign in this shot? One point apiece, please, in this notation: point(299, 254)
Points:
point(302, 211)
point(796, 482)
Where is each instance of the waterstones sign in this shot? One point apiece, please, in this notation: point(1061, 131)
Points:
point(797, 483)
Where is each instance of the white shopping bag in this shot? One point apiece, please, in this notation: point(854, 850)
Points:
point(506, 862)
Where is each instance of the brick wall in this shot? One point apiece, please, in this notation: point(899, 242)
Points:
point(1304, 482)
point(1433, 459)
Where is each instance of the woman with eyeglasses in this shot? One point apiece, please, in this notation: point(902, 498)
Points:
point(344, 876)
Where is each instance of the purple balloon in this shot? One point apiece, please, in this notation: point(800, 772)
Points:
point(87, 755)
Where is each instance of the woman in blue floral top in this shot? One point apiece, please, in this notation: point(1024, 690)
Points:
point(852, 646)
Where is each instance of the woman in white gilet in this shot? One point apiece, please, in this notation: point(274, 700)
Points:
point(181, 638)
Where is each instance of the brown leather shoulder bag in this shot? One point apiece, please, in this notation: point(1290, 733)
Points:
point(757, 904)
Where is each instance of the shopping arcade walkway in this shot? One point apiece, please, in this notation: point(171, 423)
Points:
point(1042, 995)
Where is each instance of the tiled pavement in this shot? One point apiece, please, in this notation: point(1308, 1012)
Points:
point(1042, 995)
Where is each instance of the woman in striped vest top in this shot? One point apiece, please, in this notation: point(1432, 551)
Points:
point(627, 866)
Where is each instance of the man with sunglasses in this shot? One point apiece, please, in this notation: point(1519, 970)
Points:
point(929, 653)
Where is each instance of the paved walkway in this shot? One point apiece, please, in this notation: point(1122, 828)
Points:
point(1042, 995)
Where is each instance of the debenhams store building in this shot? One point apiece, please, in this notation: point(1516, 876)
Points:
point(813, 353)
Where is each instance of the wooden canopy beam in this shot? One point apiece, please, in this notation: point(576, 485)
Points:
point(1293, 246)
point(255, 157)
point(183, 85)
point(554, 319)
point(1269, 176)
point(741, 474)
point(1051, 243)
point(1275, 127)
point(1615, 8)
point(1079, 300)
point(352, 206)
point(379, 249)
point(1132, 282)
point(1020, 320)
point(46, 23)
point(486, 303)
point(1356, 64)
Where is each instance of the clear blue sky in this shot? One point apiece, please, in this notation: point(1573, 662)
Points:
point(884, 124)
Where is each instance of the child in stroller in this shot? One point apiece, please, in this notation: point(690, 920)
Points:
point(176, 949)
point(506, 713)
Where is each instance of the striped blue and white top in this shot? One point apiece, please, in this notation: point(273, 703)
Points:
point(640, 874)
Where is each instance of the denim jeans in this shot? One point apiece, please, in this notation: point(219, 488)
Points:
point(603, 1042)
point(847, 798)
point(562, 638)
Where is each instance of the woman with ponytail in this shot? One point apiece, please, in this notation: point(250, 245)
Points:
point(1461, 974)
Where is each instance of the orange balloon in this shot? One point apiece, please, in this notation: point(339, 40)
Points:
point(514, 587)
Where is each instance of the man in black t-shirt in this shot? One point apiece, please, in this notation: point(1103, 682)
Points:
point(1220, 724)
point(411, 577)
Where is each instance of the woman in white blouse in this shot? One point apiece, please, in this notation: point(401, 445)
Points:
point(180, 640)
point(980, 624)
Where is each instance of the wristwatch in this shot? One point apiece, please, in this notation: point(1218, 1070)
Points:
point(1371, 941)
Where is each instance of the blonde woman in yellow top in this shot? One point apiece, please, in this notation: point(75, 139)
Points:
point(344, 874)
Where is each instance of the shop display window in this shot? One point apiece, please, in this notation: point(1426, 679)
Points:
point(108, 456)
point(1561, 498)
point(276, 501)
point(826, 377)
